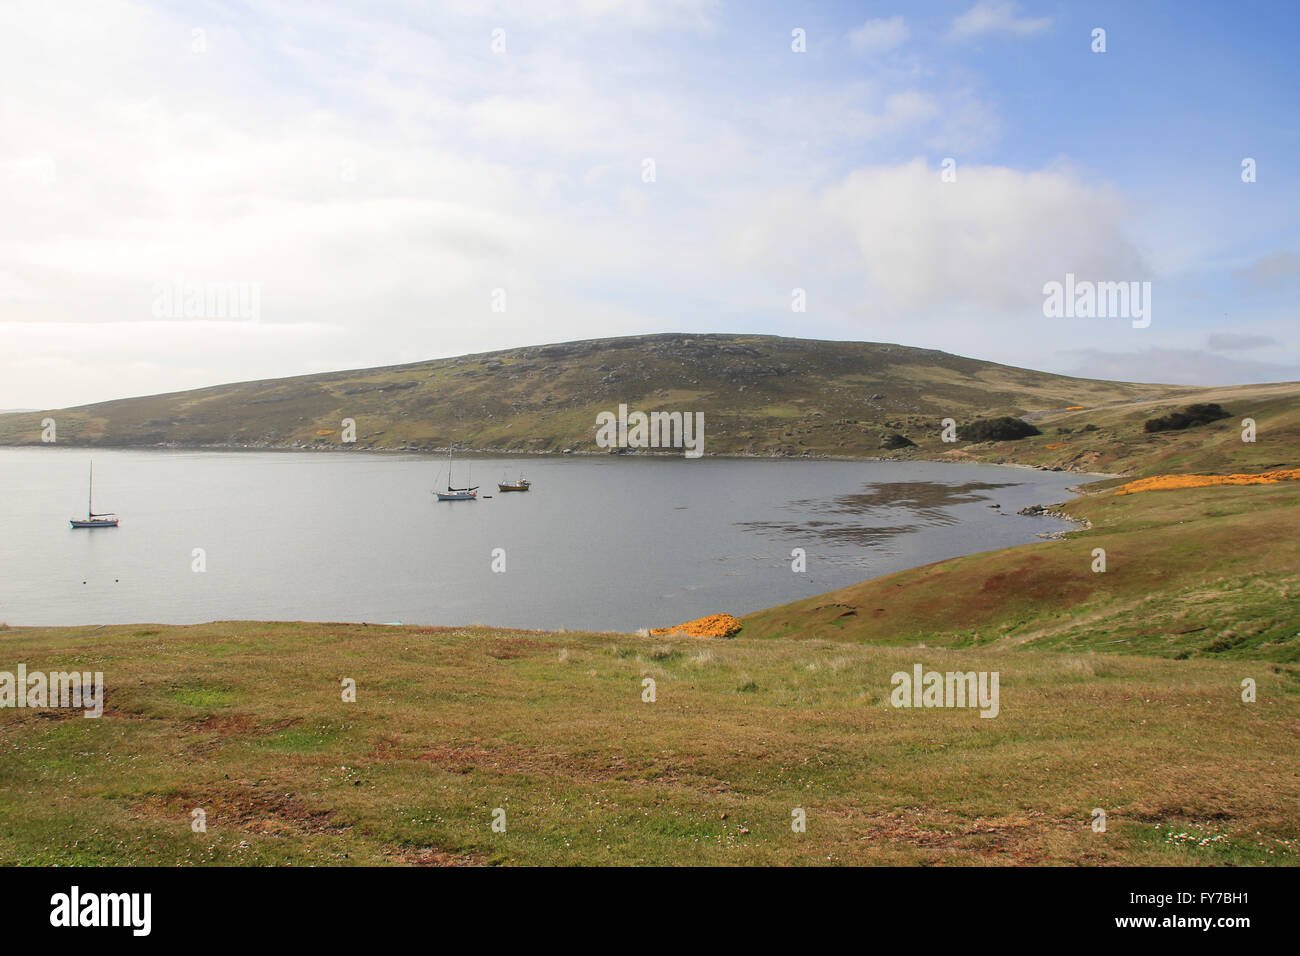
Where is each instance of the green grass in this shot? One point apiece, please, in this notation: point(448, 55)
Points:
point(1205, 572)
point(203, 697)
point(446, 728)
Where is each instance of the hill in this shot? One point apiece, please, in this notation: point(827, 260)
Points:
point(761, 395)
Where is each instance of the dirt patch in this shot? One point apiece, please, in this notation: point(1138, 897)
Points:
point(225, 725)
point(595, 767)
point(837, 611)
point(1020, 840)
point(1038, 580)
point(508, 648)
point(248, 808)
point(430, 856)
point(215, 730)
point(1142, 812)
point(460, 759)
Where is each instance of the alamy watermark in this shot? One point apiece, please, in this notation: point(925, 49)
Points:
point(38, 690)
point(182, 298)
point(923, 688)
point(1084, 299)
point(683, 430)
point(129, 910)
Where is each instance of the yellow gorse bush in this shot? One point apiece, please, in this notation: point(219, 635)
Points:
point(715, 625)
point(1161, 482)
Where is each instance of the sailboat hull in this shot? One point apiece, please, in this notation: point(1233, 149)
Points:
point(96, 523)
point(455, 496)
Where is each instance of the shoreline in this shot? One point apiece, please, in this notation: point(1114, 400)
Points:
point(431, 451)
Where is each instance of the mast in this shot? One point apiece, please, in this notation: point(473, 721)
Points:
point(450, 488)
point(90, 493)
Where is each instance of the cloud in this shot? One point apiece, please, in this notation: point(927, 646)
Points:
point(879, 36)
point(990, 239)
point(14, 288)
point(648, 15)
point(1238, 343)
point(1271, 271)
point(995, 16)
point(1176, 367)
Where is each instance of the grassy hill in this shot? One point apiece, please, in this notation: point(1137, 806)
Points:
point(760, 395)
point(1211, 572)
point(1208, 572)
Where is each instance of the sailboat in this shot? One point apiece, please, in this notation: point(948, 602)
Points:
point(106, 520)
point(456, 494)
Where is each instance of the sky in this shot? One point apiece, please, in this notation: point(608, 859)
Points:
point(205, 192)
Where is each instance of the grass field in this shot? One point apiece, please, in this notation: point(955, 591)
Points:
point(246, 722)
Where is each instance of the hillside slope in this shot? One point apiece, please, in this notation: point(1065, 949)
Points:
point(1210, 572)
point(760, 395)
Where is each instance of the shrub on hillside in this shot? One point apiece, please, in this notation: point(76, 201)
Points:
point(895, 441)
point(1005, 428)
point(1200, 414)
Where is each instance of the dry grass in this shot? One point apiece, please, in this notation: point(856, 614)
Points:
point(246, 721)
point(1181, 565)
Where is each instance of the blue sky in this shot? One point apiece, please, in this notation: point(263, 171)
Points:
point(378, 172)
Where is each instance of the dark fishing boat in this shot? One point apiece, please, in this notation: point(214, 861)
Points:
point(523, 484)
point(92, 520)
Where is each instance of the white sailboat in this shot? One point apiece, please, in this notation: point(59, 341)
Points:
point(456, 494)
point(92, 520)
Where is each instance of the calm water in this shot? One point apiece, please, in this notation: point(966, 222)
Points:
point(599, 543)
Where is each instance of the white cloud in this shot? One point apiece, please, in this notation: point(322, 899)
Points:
point(630, 14)
point(1171, 366)
point(16, 289)
point(879, 36)
point(1238, 342)
point(1271, 271)
point(990, 239)
point(996, 16)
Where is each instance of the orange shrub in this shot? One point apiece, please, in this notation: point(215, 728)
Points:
point(1161, 482)
point(715, 625)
